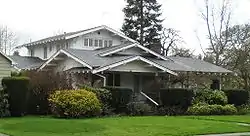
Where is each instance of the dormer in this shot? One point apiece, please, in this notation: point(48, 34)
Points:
point(88, 39)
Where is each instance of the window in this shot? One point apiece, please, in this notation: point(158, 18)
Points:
point(45, 52)
point(105, 43)
point(86, 42)
point(31, 52)
point(90, 42)
point(100, 43)
point(96, 43)
point(67, 46)
point(110, 43)
point(50, 48)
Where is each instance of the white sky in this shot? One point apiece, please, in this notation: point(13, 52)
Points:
point(35, 19)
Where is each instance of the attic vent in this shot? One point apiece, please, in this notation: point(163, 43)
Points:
point(99, 32)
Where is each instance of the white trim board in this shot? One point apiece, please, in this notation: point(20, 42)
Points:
point(130, 60)
point(69, 55)
point(131, 46)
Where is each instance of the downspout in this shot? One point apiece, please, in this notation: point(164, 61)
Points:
point(104, 79)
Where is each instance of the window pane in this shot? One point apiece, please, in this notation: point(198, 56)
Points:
point(96, 43)
point(105, 43)
point(100, 43)
point(90, 42)
point(85, 42)
point(110, 43)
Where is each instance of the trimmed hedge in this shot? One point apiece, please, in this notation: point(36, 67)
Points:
point(205, 109)
point(17, 90)
point(4, 104)
point(104, 96)
point(237, 96)
point(176, 97)
point(210, 97)
point(120, 98)
point(74, 103)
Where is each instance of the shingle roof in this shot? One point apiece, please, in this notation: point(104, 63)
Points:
point(57, 37)
point(178, 63)
point(27, 62)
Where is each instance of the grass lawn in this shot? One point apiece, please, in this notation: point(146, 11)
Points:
point(117, 126)
point(238, 119)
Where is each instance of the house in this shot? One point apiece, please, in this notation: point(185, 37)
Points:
point(6, 65)
point(104, 53)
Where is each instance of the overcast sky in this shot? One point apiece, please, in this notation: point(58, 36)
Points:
point(35, 19)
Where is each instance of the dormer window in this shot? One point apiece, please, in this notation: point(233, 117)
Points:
point(105, 43)
point(90, 42)
point(100, 43)
point(96, 43)
point(86, 42)
point(110, 43)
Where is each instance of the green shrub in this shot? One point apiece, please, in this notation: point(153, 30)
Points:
point(120, 98)
point(171, 111)
point(205, 109)
point(237, 96)
point(243, 109)
point(74, 103)
point(17, 90)
point(210, 97)
point(138, 109)
point(176, 97)
point(104, 96)
point(4, 104)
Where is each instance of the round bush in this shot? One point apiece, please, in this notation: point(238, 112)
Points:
point(74, 103)
point(210, 97)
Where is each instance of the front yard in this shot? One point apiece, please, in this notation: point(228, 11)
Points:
point(123, 126)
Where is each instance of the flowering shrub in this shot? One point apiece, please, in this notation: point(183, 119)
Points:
point(74, 103)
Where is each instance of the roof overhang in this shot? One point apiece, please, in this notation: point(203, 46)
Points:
point(69, 55)
point(131, 46)
point(100, 28)
point(164, 69)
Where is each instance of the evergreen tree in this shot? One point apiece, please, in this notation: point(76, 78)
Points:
point(142, 21)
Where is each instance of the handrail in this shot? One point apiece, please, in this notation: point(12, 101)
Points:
point(149, 98)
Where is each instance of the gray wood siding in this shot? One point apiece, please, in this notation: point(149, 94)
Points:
point(5, 68)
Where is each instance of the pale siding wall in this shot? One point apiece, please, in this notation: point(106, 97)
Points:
point(78, 42)
point(52, 48)
point(135, 66)
point(67, 64)
point(5, 68)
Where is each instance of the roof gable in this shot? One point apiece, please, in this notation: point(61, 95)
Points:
point(71, 35)
point(129, 46)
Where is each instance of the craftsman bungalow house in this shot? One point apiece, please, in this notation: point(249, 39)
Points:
point(108, 54)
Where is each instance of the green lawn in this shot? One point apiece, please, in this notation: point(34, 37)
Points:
point(117, 126)
point(239, 119)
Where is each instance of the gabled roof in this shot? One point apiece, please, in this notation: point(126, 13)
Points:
point(97, 63)
point(26, 62)
point(118, 49)
point(75, 34)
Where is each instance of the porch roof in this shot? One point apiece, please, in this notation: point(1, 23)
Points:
point(178, 64)
point(27, 62)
